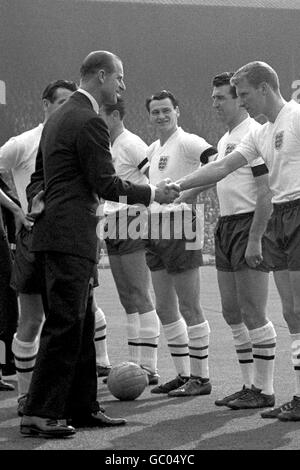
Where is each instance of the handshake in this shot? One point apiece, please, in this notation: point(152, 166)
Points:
point(166, 191)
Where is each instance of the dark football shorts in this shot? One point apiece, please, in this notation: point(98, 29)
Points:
point(170, 247)
point(26, 273)
point(231, 239)
point(283, 237)
point(118, 235)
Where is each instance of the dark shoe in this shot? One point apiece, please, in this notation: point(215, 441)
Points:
point(96, 420)
point(172, 385)
point(273, 414)
point(194, 386)
point(291, 413)
point(228, 398)
point(103, 371)
point(8, 369)
point(5, 386)
point(153, 379)
point(21, 405)
point(44, 427)
point(251, 399)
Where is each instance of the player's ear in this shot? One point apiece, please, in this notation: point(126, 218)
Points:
point(45, 104)
point(177, 111)
point(116, 114)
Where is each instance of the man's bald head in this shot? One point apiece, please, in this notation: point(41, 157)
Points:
point(98, 60)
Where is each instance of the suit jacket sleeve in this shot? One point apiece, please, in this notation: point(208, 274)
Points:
point(95, 159)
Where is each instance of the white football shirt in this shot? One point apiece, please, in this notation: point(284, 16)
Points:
point(237, 192)
point(178, 157)
point(279, 145)
point(129, 158)
point(19, 154)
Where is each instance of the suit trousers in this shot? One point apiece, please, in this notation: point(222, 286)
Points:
point(64, 381)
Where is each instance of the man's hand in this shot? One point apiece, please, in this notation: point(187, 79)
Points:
point(37, 206)
point(174, 185)
point(189, 196)
point(253, 253)
point(166, 192)
point(21, 219)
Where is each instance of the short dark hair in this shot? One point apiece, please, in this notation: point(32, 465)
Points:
point(119, 106)
point(50, 90)
point(161, 95)
point(224, 79)
point(256, 73)
point(97, 60)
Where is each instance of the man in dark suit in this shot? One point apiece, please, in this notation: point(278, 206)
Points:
point(75, 162)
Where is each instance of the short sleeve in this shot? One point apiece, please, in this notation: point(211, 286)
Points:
point(10, 154)
point(248, 147)
point(138, 153)
point(195, 146)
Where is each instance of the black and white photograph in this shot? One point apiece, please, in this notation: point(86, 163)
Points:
point(149, 228)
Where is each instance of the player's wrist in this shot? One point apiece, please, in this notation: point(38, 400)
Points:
point(180, 185)
point(153, 192)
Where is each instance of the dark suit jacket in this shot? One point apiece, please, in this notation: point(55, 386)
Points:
point(75, 163)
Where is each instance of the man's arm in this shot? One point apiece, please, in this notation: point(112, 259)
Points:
point(6, 189)
point(212, 172)
point(261, 216)
point(96, 163)
point(36, 185)
point(7, 215)
point(189, 196)
point(20, 218)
